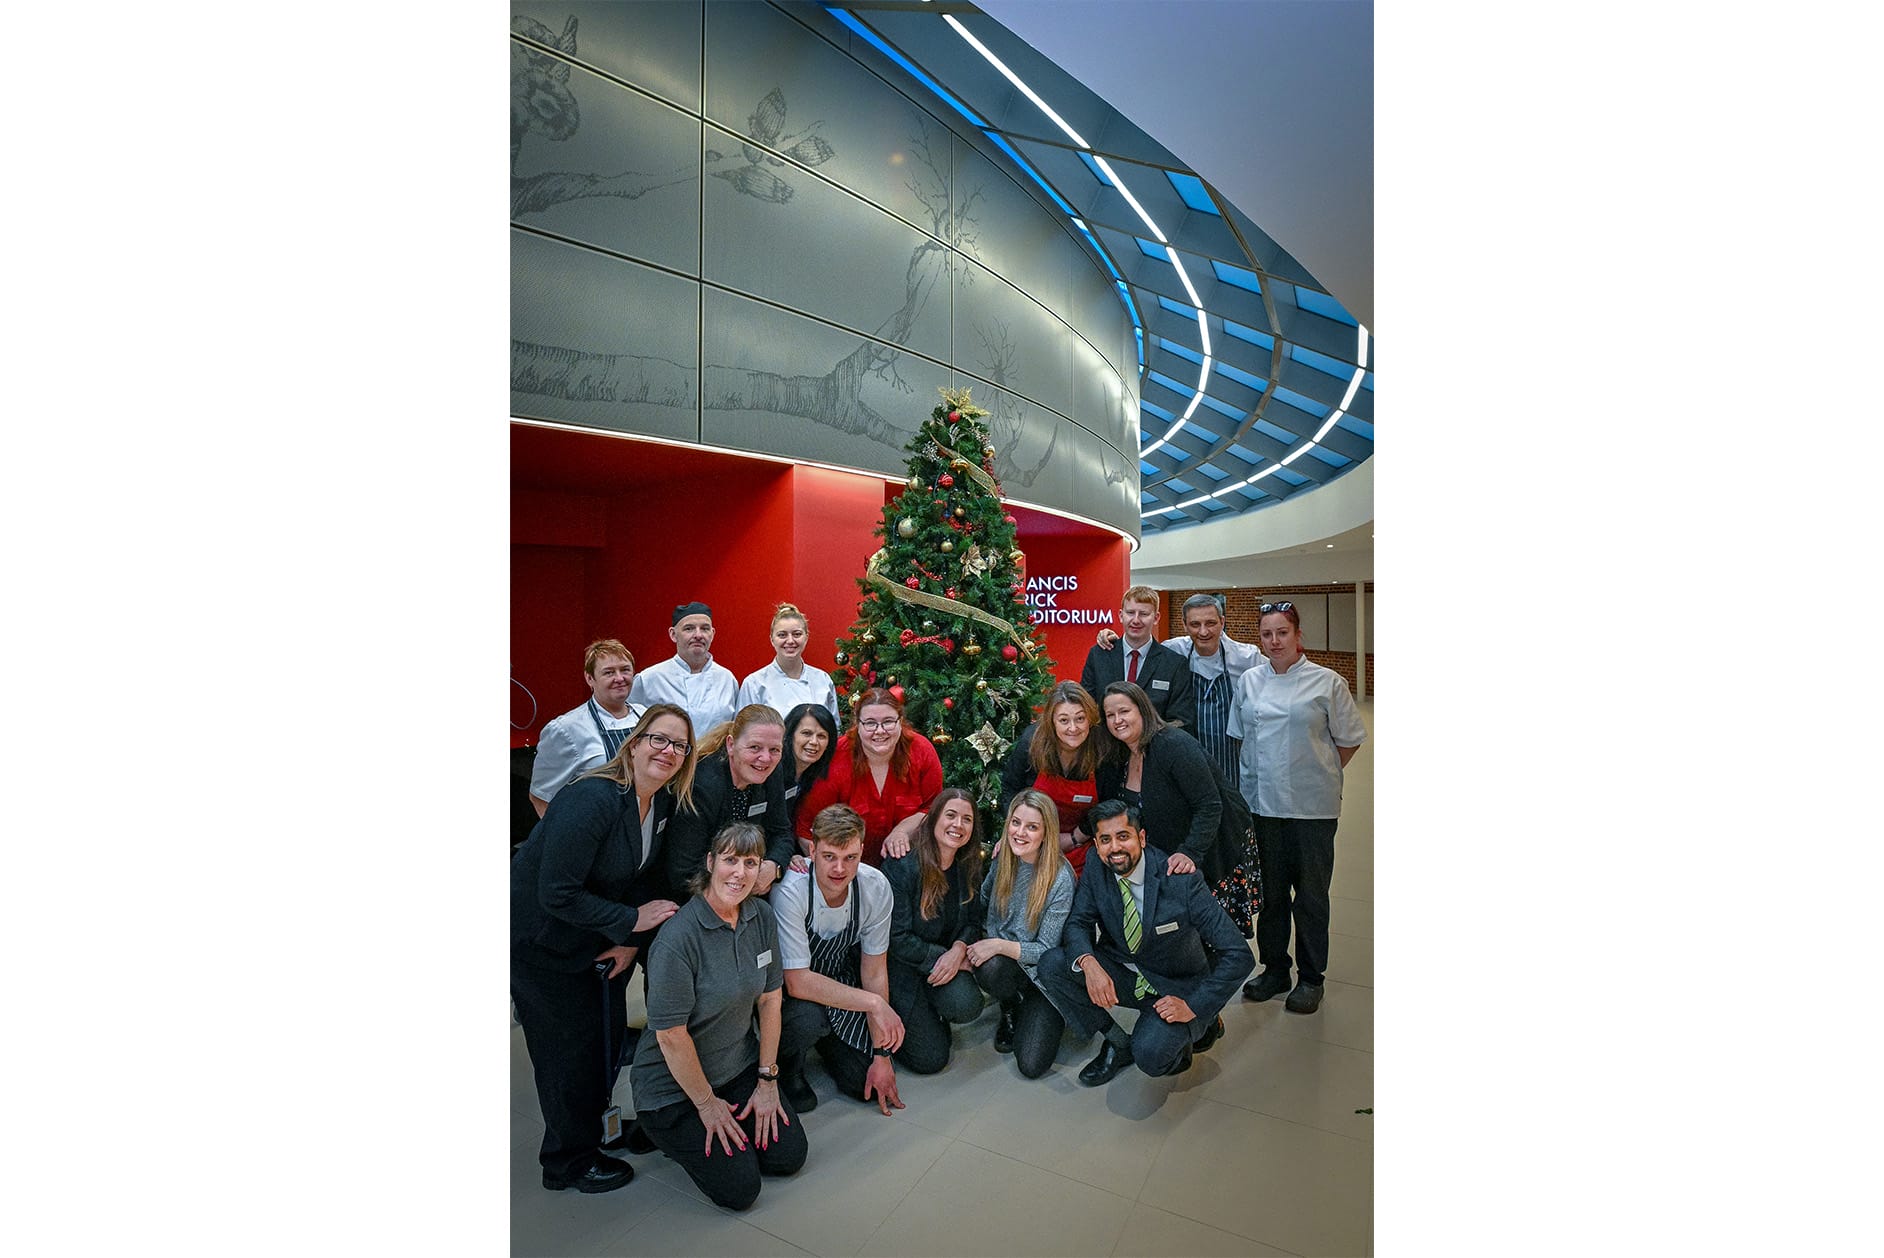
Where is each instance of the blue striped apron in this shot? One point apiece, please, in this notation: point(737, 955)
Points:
point(612, 739)
point(841, 958)
point(1214, 697)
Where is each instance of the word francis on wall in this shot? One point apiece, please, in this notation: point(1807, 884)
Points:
point(1043, 599)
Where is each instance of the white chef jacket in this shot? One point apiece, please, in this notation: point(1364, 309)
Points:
point(569, 747)
point(770, 686)
point(1289, 766)
point(706, 695)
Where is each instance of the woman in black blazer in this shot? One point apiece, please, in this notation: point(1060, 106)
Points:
point(583, 890)
point(1164, 773)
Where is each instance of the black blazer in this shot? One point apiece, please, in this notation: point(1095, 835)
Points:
point(692, 832)
point(918, 941)
point(1163, 674)
point(1187, 947)
point(1181, 809)
point(578, 882)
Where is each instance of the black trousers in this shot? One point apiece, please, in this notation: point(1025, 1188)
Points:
point(803, 1026)
point(1298, 867)
point(1038, 1026)
point(1157, 1046)
point(561, 1015)
point(927, 1012)
point(733, 1181)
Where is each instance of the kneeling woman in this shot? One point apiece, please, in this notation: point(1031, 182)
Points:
point(713, 964)
point(1027, 896)
point(934, 919)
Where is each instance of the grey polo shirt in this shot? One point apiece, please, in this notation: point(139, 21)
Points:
point(708, 977)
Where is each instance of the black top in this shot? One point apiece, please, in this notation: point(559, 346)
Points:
point(578, 881)
point(1180, 808)
point(1163, 674)
point(716, 803)
point(919, 941)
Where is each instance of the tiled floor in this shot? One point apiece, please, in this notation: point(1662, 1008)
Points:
point(1257, 1149)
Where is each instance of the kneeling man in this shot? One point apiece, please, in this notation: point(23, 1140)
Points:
point(1164, 946)
point(834, 941)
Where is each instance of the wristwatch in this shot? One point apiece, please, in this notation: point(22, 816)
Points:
point(769, 1072)
point(876, 1051)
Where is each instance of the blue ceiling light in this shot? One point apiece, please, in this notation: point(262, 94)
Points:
point(1192, 190)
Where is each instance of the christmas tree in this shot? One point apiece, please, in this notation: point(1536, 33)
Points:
point(943, 624)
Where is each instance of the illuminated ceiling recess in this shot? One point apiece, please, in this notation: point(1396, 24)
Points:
point(1253, 381)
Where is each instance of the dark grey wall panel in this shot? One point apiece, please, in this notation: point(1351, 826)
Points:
point(1005, 338)
point(605, 165)
point(601, 342)
point(654, 44)
point(1099, 397)
point(784, 384)
point(771, 80)
point(825, 252)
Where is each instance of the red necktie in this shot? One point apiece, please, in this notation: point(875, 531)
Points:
point(1131, 673)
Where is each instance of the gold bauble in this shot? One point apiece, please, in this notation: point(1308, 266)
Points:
point(972, 649)
point(961, 513)
point(960, 465)
point(915, 482)
point(948, 547)
point(987, 452)
point(1015, 556)
point(905, 527)
point(981, 683)
point(940, 739)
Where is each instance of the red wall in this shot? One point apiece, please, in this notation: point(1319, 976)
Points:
point(608, 534)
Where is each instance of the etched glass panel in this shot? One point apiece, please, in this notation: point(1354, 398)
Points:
point(652, 43)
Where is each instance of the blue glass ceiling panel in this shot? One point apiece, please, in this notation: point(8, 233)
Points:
point(1159, 411)
point(1244, 454)
point(1145, 499)
point(1178, 307)
point(1341, 371)
point(1214, 472)
point(1327, 456)
point(1152, 249)
point(1214, 505)
point(1093, 166)
point(1236, 275)
point(1182, 351)
point(1274, 433)
point(1177, 387)
point(1243, 333)
point(1178, 453)
point(1191, 188)
point(1324, 305)
point(1367, 382)
point(1240, 376)
point(1289, 477)
point(1224, 408)
point(1178, 486)
point(1308, 404)
point(1147, 469)
point(1254, 493)
point(1359, 427)
point(1194, 427)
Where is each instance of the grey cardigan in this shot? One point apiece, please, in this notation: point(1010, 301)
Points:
point(1013, 923)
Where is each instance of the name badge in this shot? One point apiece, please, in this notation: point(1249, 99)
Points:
point(791, 792)
point(756, 809)
point(765, 958)
point(1082, 799)
point(1165, 929)
point(1161, 685)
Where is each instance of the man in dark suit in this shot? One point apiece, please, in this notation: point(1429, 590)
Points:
point(1163, 946)
point(1163, 674)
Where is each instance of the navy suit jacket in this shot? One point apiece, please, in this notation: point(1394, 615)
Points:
point(1199, 954)
point(1163, 674)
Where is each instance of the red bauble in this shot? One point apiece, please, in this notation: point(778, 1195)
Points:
point(896, 692)
point(1010, 519)
point(1010, 652)
point(954, 416)
point(911, 582)
point(949, 704)
point(945, 480)
point(948, 645)
point(951, 591)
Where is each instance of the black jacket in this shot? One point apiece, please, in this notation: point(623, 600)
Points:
point(691, 833)
point(919, 941)
point(1181, 808)
point(577, 883)
point(1163, 674)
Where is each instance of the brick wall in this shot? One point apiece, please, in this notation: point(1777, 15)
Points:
point(1240, 621)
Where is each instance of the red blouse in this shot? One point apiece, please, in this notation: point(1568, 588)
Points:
point(880, 810)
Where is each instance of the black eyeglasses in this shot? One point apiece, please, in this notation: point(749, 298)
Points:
point(661, 742)
point(1266, 608)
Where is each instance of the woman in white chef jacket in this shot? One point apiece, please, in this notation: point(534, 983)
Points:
point(788, 681)
point(1300, 727)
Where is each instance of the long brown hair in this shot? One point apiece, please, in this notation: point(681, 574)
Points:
point(1046, 865)
point(928, 850)
point(622, 773)
point(1045, 752)
point(899, 759)
point(1116, 750)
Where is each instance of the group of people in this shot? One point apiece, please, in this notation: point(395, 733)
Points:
point(790, 891)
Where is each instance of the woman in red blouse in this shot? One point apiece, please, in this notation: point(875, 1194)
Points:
point(885, 771)
point(1061, 763)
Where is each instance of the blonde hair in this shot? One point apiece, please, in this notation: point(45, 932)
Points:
point(1140, 594)
point(732, 731)
point(787, 611)
point(622, 773)
point(604, 647)
point(1046, 865)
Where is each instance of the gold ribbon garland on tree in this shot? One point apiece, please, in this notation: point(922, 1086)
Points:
point(936, 602)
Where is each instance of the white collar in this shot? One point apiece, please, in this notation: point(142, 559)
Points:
point(680, 663)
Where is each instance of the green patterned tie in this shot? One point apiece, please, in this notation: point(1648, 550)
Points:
point(1134, 933)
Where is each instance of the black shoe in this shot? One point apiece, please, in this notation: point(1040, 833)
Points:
point(1267, 985)
point(797, 1088)
point(1306, 998)
point(1106, 1066)
point(632, 1138)
point(1211, 1036)
point(606, 1175)
point(1184, 1062)
point(1004, 1030)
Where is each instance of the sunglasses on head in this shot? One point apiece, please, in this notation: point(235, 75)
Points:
point(1266, 608)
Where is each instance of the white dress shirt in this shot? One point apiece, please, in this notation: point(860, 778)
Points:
point(1289, 764)
point(773, 688)
point(570, 746)
point(706, 695)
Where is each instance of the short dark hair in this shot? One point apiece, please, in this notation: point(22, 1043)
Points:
point(736, 838)
point(1107, 809)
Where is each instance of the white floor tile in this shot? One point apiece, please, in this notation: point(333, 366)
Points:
point(682, 1226)
point(1154, 1233)
point(1346, 1017)
point(1293, 1077)
point(976, 1202)
point(1103, 1137)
